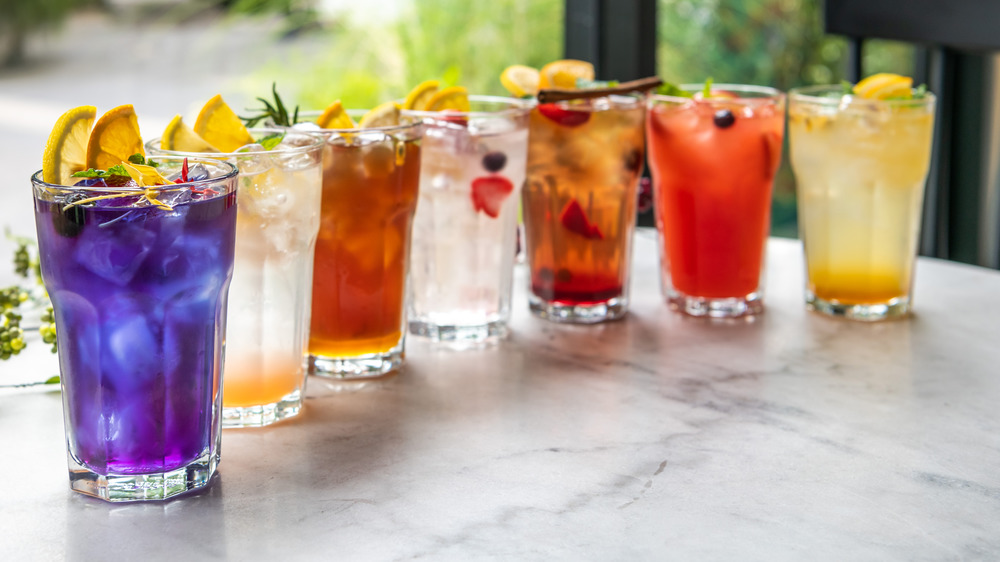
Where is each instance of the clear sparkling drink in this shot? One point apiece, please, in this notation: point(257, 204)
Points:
point(280, 191)
point(465, 230)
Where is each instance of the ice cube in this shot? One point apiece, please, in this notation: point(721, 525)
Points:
point(288, 154)
point(116, 256)
point(307, 126)
point(256, 160)
point(196, 172)
point(131, 326)
point(379, 160)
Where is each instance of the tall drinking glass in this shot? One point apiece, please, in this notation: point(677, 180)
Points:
point(584, 161)
point(465, 232)
point(713, 162)
point(269, 302)
point(370, 186)
point(139, 293)
point(860, 167)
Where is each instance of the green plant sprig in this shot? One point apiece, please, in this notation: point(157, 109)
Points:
point(277, 111)
point(12, 340)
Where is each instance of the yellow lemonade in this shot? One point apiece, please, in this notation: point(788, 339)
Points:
point(860, 166)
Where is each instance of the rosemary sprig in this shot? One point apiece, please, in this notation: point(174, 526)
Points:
point(276, 111)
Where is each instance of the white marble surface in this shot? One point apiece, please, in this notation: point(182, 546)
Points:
point(796, 437)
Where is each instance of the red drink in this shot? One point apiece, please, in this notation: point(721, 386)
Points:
point(713, 162)
point(584, 160)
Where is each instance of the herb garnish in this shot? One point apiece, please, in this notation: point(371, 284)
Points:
point(276, 111)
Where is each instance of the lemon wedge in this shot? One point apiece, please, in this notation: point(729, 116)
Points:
point(334, 117)
point(564, 74)
point(179, 136)
point(455, 98)
point(421, 95)
point(115, 137)
point(382, 115)
point(520, 80)
point(883, 86)
point(219, 126)
point(66, 150)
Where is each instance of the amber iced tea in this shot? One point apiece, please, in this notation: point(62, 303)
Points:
point(584, 161)
point(370, 183)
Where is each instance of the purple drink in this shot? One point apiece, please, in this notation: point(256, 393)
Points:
point(139, 294)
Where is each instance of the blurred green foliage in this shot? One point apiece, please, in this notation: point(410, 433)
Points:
point(18, 18)
point(455, 41)
point(777, 43)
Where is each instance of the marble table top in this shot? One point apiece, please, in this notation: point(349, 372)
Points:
point(657, 437)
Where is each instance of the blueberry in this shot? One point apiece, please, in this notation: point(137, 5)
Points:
point(724, 118)
point(633, 160)
point(69, 222)
point(494, 161)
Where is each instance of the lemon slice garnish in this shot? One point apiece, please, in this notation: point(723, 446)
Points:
point(382, 115)
point(520, 80)
point(66, 150)
point(178, 136)
point(115, 137)
point(883, 86)
point(334, 117)
point(419, 96)
point(455, 98)
point(565, 73)
point(219, 126)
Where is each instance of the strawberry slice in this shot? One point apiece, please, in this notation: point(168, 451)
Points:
point(574, 219)
point(459, 119)
point(563, 116)
point(489, 193)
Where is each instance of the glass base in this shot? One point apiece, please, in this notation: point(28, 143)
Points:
point(266, 414)
point(702, 307)
point(611, 309)
point(895, 308)
point(360, 367)
point(459, 335)
point(143, 487)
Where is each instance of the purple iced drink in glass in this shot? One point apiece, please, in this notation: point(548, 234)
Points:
point(139, 292)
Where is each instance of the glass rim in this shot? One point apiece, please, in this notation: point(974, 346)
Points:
point(515, 106)
point(318, 141)
point(615, 101)
point(816, 95)
point(386, 130)
point(232, 172)
point(769, 94)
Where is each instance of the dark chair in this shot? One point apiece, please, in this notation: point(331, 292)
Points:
point(958, 59)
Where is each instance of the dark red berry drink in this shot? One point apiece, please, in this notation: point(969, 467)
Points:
point(139, 282)
point(584, 162)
